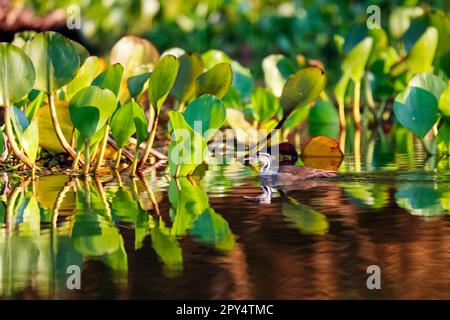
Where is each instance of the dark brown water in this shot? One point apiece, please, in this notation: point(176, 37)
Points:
point(157, 238)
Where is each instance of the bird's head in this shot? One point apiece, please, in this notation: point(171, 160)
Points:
point(264, 158)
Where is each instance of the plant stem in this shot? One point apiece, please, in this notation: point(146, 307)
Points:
point(102, 149)
point(149, 142)
point(119, 156)
point(181, 106)
point(62, 139)
point(33, 172)
point(12, 140)
point(87, 158)
point(134, 163)
point(177, 171)
point(342, 120)
point(76, 160)
point(356, 104)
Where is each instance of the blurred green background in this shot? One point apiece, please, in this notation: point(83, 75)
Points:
point(246, 30)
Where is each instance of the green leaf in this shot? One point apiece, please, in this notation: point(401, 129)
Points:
point(305, 219)
point(17, 74)
point(187, 149)
point(85, 75)
point(110, 79)
point(443, 138)
point(123, 123)
point(242, 78)
point(302, 88)
point(55, 60)
point(188, 203)
point(416, 109)
point(30, 140)
point(355, 62)
point(34, 104)
point(277, 69)
point(91, 108)
point(429, 82)
point(47, 137)
point(205, 115)
point(21, 37)
point(215, 81)
point(419, 200)
point(212, 229)
point(444, 104)
point(20, 122)
point(421, 56)
point(264, 104)
point(161, 80)
point(136, 84)
point(296, 117)
point(168, 249)
point(191, 66)
point(212, 57)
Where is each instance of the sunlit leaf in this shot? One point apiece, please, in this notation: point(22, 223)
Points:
point(302, 88)
point(216, 81)
point(161, 80)
point(17, 74)
point(190, 67)
point(55, 60)
point(205, 115)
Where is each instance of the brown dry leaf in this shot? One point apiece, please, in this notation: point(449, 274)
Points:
point(322, 152)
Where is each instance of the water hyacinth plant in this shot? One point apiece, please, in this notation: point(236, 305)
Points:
point(60, 100)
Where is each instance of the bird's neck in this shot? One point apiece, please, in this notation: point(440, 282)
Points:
point(265, 169)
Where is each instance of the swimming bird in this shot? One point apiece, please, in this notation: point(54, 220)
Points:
point(288, 173)
point(285, 176)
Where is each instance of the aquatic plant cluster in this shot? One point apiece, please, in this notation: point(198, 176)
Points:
point(59, 99)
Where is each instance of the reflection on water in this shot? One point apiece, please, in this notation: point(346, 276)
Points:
point(157, 237)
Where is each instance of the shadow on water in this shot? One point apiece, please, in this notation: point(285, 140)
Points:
point(157, 237)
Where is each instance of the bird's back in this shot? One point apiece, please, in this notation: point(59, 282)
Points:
point(303, 173)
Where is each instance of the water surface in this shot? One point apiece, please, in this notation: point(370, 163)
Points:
point(160, 238)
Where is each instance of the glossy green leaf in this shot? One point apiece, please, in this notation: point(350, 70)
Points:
point(30, 140)
point(47, 138)
point(110, 79)
point(17, 74)
point(35, 103)
point(167, 249)
point(123, 123)
point(416, 107)
point(305, 219)
point(187, 149)
point(302, 88)
point(443, 138)
point(421, 56)
point(137, 84)
point(355, 62)
point(205, 115)
point(191, 66)
point(212, 229)
point(444, 104)
point(264, 105)
point(216, 81)
point(85, 75)
point(188, 203)
point(55, 60)
point(161, 80)
point(417, 110)
point(419, 200)
point(91, 108)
